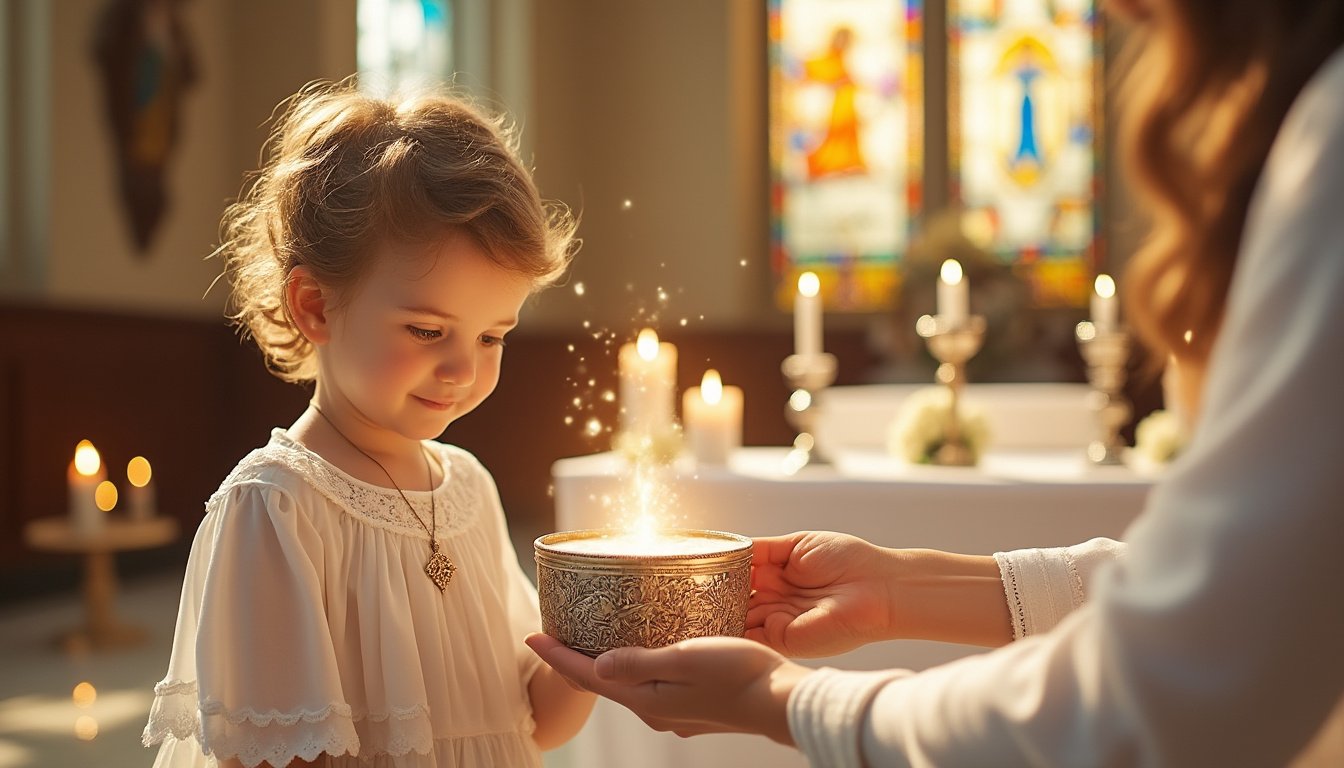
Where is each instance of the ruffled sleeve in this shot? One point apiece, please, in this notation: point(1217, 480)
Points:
point(253, 673)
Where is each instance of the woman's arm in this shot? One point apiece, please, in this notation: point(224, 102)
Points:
point(558, 708)
point(819, 594)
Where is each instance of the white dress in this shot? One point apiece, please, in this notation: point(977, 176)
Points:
point(1216, 639)
point(307, 624)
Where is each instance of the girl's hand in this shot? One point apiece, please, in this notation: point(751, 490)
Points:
point(703, 685)
point(819, 593)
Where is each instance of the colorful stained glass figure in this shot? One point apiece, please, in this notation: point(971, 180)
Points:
point(403, 45)
point(845, 145)
point(1023, 115)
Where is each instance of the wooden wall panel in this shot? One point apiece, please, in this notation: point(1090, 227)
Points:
point(194, 399)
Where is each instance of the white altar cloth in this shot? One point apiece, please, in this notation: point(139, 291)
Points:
point(1012, 500)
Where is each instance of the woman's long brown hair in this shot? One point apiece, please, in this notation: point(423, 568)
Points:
point(1204, 101)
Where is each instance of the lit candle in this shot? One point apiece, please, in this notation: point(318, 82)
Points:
point(953, 294)
point(713, 416)
point(1104, 307)
point(807, 315)
point(140, 492)
point(82, 480)
point(648, 382)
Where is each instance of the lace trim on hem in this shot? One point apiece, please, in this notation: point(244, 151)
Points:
point(168, 688)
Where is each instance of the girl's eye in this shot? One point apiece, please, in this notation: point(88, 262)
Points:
point(492, 341)
point(424, 334)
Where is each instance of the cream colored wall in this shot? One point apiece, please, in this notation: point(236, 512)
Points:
point(249, 55)
point(662, 106)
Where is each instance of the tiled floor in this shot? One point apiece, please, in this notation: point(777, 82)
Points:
point(38, 716)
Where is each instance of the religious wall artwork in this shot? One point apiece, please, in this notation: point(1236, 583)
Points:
point(1023, 138)
point(846, 145)
point(145, 61)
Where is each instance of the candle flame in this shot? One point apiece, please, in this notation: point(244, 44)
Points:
point(105, 496)
point(1105, 286)
point(809, 284)
point(711, 387)
point(86, 728)
point(84, 695)
point(647, 344)
point(87, 461)
point(138, 472)
point(951, 272)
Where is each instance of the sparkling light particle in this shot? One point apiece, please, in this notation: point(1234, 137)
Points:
point(86, 728)
point(579, 290)
point(609, 396)
point(683, 322)
point(593, 427)
point(627, 204)
point(742, 263)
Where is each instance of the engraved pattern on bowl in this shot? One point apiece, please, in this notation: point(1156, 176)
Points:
point(595, 602)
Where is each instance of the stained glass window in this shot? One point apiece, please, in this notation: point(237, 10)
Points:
point(404, 44)
point(845, 144)
point(1023, 138)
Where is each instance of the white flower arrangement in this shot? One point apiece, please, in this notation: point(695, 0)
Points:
point(1159, 438)
point(919, 429)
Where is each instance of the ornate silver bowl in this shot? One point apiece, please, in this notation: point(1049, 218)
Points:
point(598, 592)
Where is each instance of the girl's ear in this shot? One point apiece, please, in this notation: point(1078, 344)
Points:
point(307, 301)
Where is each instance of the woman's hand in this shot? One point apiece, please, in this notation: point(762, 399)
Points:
point(820, 593)
point(703, 685)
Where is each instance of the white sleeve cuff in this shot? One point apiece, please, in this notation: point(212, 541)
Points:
point(826, 713)
point(1045, 585)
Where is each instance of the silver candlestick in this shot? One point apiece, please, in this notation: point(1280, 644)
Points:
point(952, 345)
point(1106, 353)
point(808, 375)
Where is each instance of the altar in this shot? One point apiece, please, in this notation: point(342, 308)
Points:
point(1017, 497)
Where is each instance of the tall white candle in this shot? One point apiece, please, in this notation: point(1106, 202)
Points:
point(953, 293)
point(140, 491)
point(713, 416)
point(807, 315)
point(85, 473)
point(648, 381)
point(1105, 309)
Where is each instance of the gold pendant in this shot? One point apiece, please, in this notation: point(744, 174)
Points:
point(440, 569)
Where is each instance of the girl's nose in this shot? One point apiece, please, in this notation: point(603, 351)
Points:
point(458, 368)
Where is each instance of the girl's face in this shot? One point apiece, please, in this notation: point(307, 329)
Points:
point(419, 340)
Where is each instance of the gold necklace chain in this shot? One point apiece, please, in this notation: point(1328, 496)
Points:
point(439, 568)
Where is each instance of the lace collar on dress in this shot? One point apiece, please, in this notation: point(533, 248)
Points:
point(456, 499)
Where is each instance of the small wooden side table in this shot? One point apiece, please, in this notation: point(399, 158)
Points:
point(102, 629)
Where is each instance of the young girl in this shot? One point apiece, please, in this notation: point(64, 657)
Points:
point(352, 596)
